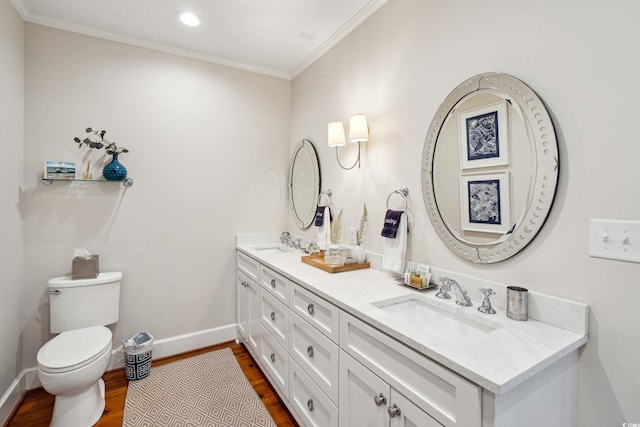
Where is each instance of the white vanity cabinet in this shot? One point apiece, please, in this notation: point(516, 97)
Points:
point(248, 306)
point(443, 395)
point(293, 336)
point(367, 400)
point(333, 369)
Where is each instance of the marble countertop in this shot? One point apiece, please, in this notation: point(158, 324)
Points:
point(503, 358)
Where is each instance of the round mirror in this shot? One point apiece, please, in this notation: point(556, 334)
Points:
point(489, 168)
point(304, 183)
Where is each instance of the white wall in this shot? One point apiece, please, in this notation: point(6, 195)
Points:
point(11, 141)
point(208, 156)
point(582, 60)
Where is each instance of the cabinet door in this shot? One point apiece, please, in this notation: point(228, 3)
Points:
point(323, 315)
point(253, 315)
point(274, 316)
point(316, 354)
point(247, 265)
point(364, 397)
point(275, 361)
point(448, 397)
point(404, 413)
point(275, 283)
point(311, 405)
point(242, 306)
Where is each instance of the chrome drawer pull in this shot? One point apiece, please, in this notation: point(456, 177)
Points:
point(273, 283)
point(380, 399)
point(311, 309)
point(394, 410)
point(310, 351)
point(273, 357)
point(310, 404)
point(273, 316)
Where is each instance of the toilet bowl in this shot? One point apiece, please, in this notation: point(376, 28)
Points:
point(70, 366)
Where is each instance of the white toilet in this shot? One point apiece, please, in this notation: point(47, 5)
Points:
point(71, 364)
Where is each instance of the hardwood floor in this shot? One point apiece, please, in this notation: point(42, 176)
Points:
point(37, 405)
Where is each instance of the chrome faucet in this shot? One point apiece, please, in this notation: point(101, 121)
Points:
point(285, 237)
point(461, 295)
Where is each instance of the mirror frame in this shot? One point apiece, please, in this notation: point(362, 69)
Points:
point(544, 147)
point(307, 146)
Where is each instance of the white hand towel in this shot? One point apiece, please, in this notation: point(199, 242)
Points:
point(324, 231)
point(395, 249)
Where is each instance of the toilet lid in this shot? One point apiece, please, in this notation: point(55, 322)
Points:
point(73, 349)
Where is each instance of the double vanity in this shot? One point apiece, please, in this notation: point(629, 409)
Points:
point(358, 349)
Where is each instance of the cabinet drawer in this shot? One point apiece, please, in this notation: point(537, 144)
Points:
point(247, 265)
point(275, 361)
point(316, 354)
point(274, 316)
point(275, 283)
point(310, 403)
point(315, 310)
point(449, 398)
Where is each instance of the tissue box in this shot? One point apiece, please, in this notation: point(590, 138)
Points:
point(85, 268)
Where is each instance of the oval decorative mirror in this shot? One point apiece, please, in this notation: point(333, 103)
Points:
point(304, 183)
point(489, 168)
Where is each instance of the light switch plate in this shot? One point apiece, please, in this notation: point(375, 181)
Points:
point(615, 239)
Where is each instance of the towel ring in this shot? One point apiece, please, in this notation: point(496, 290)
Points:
point(404, 192)
point(327, 195)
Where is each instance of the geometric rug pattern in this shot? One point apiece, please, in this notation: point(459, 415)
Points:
point(205, 390)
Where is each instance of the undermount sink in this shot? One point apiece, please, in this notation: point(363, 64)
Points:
point(424, 316)
point(272, 249)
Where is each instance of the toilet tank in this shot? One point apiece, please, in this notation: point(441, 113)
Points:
point(81, 303)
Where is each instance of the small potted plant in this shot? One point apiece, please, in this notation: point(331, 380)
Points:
point(114, 170)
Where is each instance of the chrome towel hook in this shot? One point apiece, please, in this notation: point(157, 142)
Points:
point(404, 192)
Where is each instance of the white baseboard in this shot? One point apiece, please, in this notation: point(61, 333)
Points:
point(11, 398)
point(179, 344)
point(28, 378)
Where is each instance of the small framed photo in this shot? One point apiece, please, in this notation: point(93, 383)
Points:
point(484, 136)
point(59, 170)
point(486, 202)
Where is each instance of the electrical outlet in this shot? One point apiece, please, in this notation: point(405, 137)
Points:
point(353, 240)
point(614, 239)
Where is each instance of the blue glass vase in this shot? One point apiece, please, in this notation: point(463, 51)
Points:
point(114, 171)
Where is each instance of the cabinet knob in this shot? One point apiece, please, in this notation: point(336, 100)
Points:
point(273, 357)
point(310, 351)
point(273, 283)
point(311, 309)
point(310, 404)
point(394, 410)
point(273, 315)
point(380, 399)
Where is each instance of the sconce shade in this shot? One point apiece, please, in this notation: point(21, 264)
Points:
point(336, 134)
point(358, 130)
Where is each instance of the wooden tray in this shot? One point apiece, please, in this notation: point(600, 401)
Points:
point(317, 260)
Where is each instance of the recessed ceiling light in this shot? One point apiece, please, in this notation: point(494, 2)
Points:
point(189, 19)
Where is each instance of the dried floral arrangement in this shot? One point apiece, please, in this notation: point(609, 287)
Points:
point(360, 230)
point(336, 229)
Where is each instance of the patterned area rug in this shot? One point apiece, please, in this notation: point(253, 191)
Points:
point(205, 390)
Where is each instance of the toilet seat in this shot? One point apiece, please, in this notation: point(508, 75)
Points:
point(74, 349)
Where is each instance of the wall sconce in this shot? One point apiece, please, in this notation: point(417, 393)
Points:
point(358, 132)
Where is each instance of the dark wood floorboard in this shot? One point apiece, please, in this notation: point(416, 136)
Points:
point(36, 407)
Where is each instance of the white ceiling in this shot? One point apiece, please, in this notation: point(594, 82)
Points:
point(274, 37)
